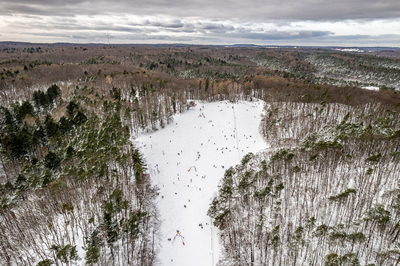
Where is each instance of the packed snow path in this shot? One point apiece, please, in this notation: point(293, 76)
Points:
point(187, 160)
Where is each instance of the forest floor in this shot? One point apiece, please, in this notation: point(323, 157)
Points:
point(186, 160)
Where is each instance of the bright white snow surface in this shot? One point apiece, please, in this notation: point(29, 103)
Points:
point(187, 160)
point(371, 88)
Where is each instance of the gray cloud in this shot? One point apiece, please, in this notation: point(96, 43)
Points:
point(59, 27)
point(143, 26)
point(387, 40)
point(239, 35)
point(383, 39)
point(237, 10)
point(168, 24)
point(211, 22)
point(278, 35)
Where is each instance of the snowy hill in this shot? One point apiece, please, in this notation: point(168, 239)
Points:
point(186, 160)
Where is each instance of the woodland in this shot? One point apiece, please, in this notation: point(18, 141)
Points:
point(327, 192)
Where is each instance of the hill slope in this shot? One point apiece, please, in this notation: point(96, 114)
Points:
point(186, 160)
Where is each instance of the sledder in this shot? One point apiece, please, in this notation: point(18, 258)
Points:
point(178, 234)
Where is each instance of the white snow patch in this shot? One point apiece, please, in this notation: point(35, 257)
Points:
point(372, 88)
point(350, 50)
point(186, 160)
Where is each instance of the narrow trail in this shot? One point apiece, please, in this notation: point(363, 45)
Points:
point(187, 160)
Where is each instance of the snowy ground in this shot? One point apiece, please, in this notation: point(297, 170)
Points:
point(186, 160)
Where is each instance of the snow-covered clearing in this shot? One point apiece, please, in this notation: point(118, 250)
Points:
point(187, 159)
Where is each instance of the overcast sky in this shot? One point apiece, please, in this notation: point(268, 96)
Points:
point(263, 22)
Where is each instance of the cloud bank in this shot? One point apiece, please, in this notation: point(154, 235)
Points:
point(307, 22)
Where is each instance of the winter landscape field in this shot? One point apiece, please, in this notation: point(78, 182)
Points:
point(198, 155)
